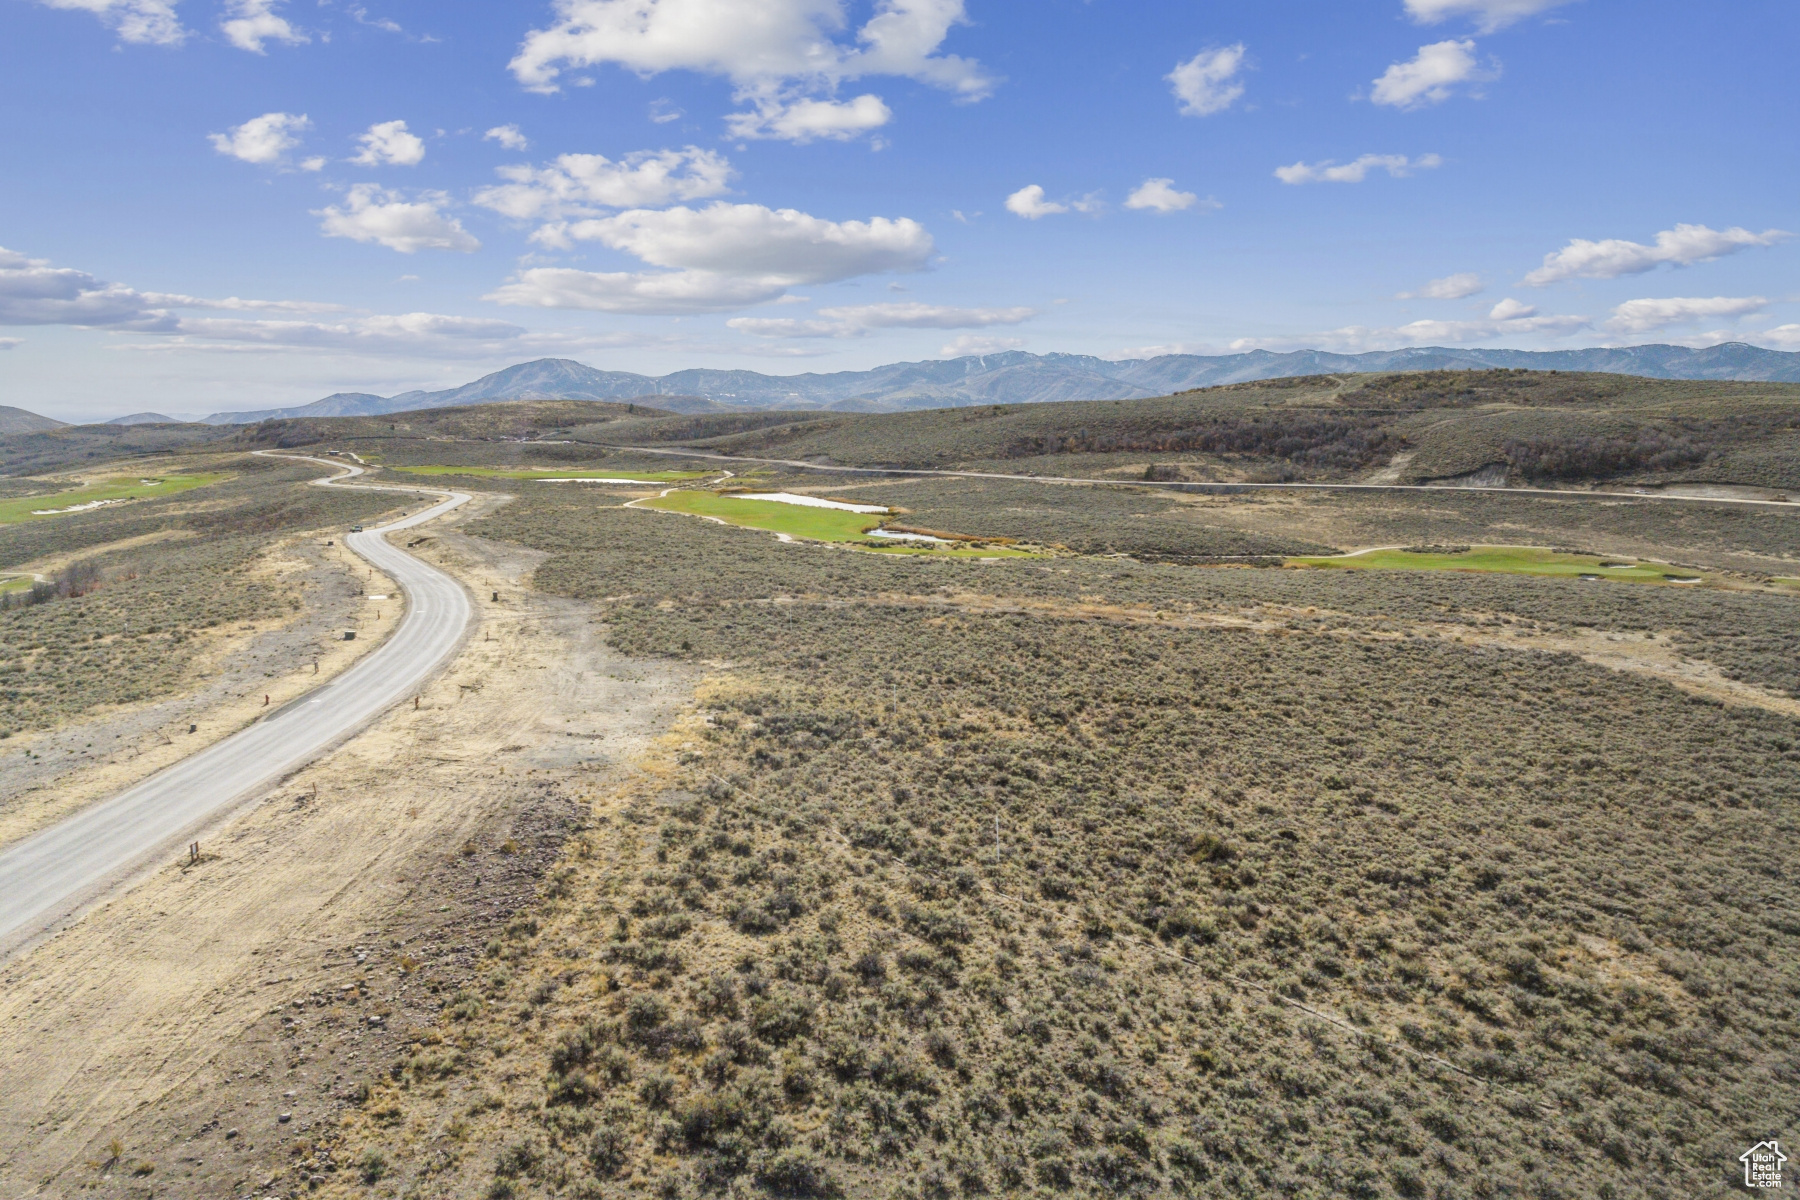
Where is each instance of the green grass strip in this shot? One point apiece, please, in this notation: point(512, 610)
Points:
point(528, 473)
point(1506, 560)
point(813, 524)
point(99, 493)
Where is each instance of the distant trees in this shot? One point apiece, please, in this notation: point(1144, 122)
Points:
point(76, 579)
point(1596, 457)
point(1319, 440)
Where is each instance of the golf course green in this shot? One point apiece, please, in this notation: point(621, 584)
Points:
point(1506, 560)
point(811, 524)
point(99, 493)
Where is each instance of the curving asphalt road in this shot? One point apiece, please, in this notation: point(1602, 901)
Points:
point(48, 876)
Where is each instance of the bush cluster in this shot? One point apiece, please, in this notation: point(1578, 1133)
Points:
point(1323, 441)
point(1601, 458)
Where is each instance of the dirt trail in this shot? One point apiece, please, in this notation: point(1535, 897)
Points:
point(1638, 653)
point(326, 925)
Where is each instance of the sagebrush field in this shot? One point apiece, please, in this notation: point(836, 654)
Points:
point(1014, 878)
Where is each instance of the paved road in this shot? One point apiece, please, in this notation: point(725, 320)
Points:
point(1567, 493)
point(51, 874)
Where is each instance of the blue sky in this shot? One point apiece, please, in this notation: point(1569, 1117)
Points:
point(240, 203)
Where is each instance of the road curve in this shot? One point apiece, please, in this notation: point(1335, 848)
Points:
point(51, 874)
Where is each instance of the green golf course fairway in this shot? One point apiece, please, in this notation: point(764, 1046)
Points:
point(813, 524)
point(1508, 560)
point(527, 473)
point(125, 487)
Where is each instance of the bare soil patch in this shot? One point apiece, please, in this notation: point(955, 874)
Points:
point(325, 928)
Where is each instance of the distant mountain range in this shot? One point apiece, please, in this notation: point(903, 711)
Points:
point(1016, 377)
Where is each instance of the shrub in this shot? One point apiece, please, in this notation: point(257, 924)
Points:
point(798, 1173)
point(372, 1166)
point(608, 1149)
point(520, 1158)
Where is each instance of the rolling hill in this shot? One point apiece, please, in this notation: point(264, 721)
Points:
point(18, 420)
point(1532, 426)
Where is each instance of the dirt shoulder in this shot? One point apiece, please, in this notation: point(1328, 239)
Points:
point(45, 776)
point(213, 1018)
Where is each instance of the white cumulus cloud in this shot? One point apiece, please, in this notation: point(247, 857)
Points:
point(808, 120)
point(32, 292)
point(903, 315)
point(1396, 165)
point(856, 320)
point(1354, 339)
point(9, 343)
point(1450, 287)
point(778, 53)
point(147, 22)
point(389, 144)
point(749, 239)
point(1509, 319)
point(1161, 196)
point(719, 258)
point(1489, 15)
point(250, 23)
point(975, 344)
point(508, 136)
point(401, 332)
point(792, 327)
point(1645, 316)
point(1681, 246)
point(1029, 202)
point(664, 293)
point(1208, 82)
point(373, 214)
point(265, 140)
point(1430, 76)
point(579, 184)
point(753, 44)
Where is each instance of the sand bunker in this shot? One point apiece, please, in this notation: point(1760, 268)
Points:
point(908, 537)
point(55, 512)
